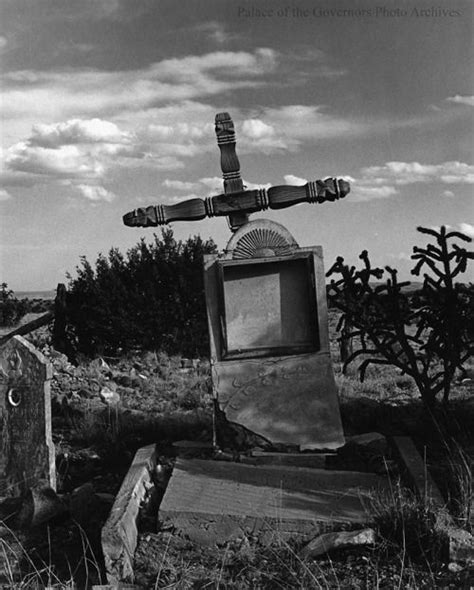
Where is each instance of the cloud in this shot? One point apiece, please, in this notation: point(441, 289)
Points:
point(4, 195)
point(95, 193)
point(362, 191)
point(72, 149)
point(294, 180)
point(80, 152)
point(257, 129)
point(400, 256)
point(290, 126)
point(50, 96)
point(458, 99)
point(3, 42)
point(467, 229)
point(179, 185)
point(78, 131)
point(402, 173)
point(63, 161)
point(379, 182)
point(215, 31)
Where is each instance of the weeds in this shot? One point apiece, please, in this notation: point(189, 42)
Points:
point(409, 526)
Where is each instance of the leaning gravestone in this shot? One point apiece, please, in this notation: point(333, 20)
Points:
point(266, 305)
point(27, 455)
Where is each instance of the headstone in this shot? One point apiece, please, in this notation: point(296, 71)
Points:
point(266, 304)
point(27, 455)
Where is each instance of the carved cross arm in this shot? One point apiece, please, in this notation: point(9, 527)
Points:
point(276, 197)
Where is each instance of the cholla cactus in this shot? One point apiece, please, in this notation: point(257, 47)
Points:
point(428, 342)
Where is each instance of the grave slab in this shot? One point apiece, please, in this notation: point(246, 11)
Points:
point(27, 455)
point(211, 502)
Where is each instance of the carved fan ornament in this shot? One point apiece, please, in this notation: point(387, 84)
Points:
point(260, 238)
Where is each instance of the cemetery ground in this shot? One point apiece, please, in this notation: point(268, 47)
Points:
point(105, 409)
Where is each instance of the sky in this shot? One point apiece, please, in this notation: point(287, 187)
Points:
point(109, 105)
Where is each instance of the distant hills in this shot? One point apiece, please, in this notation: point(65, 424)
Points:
point(35, 294)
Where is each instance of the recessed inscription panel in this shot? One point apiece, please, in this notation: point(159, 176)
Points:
point(268, 306)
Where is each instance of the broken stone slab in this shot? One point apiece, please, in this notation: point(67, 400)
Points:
point(416, 472)
point(211, 502)
point(120, 533)
point(193, 448)
point(311, 460)
point(338, 540)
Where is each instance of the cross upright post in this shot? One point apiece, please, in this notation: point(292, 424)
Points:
point(230, 165)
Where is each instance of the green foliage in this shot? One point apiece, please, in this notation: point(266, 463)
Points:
point(11, 308)
point(429, 341)
point(151, 299)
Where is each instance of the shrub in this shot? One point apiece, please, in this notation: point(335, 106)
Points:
point(11, 308)
point(150, 299)
point(428, 342)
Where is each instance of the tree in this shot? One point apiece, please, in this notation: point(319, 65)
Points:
point(428, 342)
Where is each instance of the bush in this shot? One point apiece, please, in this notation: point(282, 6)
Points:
point(11, 308)
point(429, 342)
point(150, 299)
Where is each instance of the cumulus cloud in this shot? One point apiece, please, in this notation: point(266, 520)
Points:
point(289, 126)
point(63, 161)
point(4, 195)
point(179, 185)
point(78, 131)
point(402, 173)
point(362, 191)
point(95, 193)
point(468, 100)
point(294, 180)
point(379, 182)
point(467, 229)
point(77, 151)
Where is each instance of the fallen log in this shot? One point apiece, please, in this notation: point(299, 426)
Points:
point(29, 327)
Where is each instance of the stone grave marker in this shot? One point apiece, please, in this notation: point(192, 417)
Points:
point(27, 455)
point(269, 338)
point(267, 311)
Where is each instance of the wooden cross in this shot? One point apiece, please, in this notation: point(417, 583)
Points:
point(236, 202)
